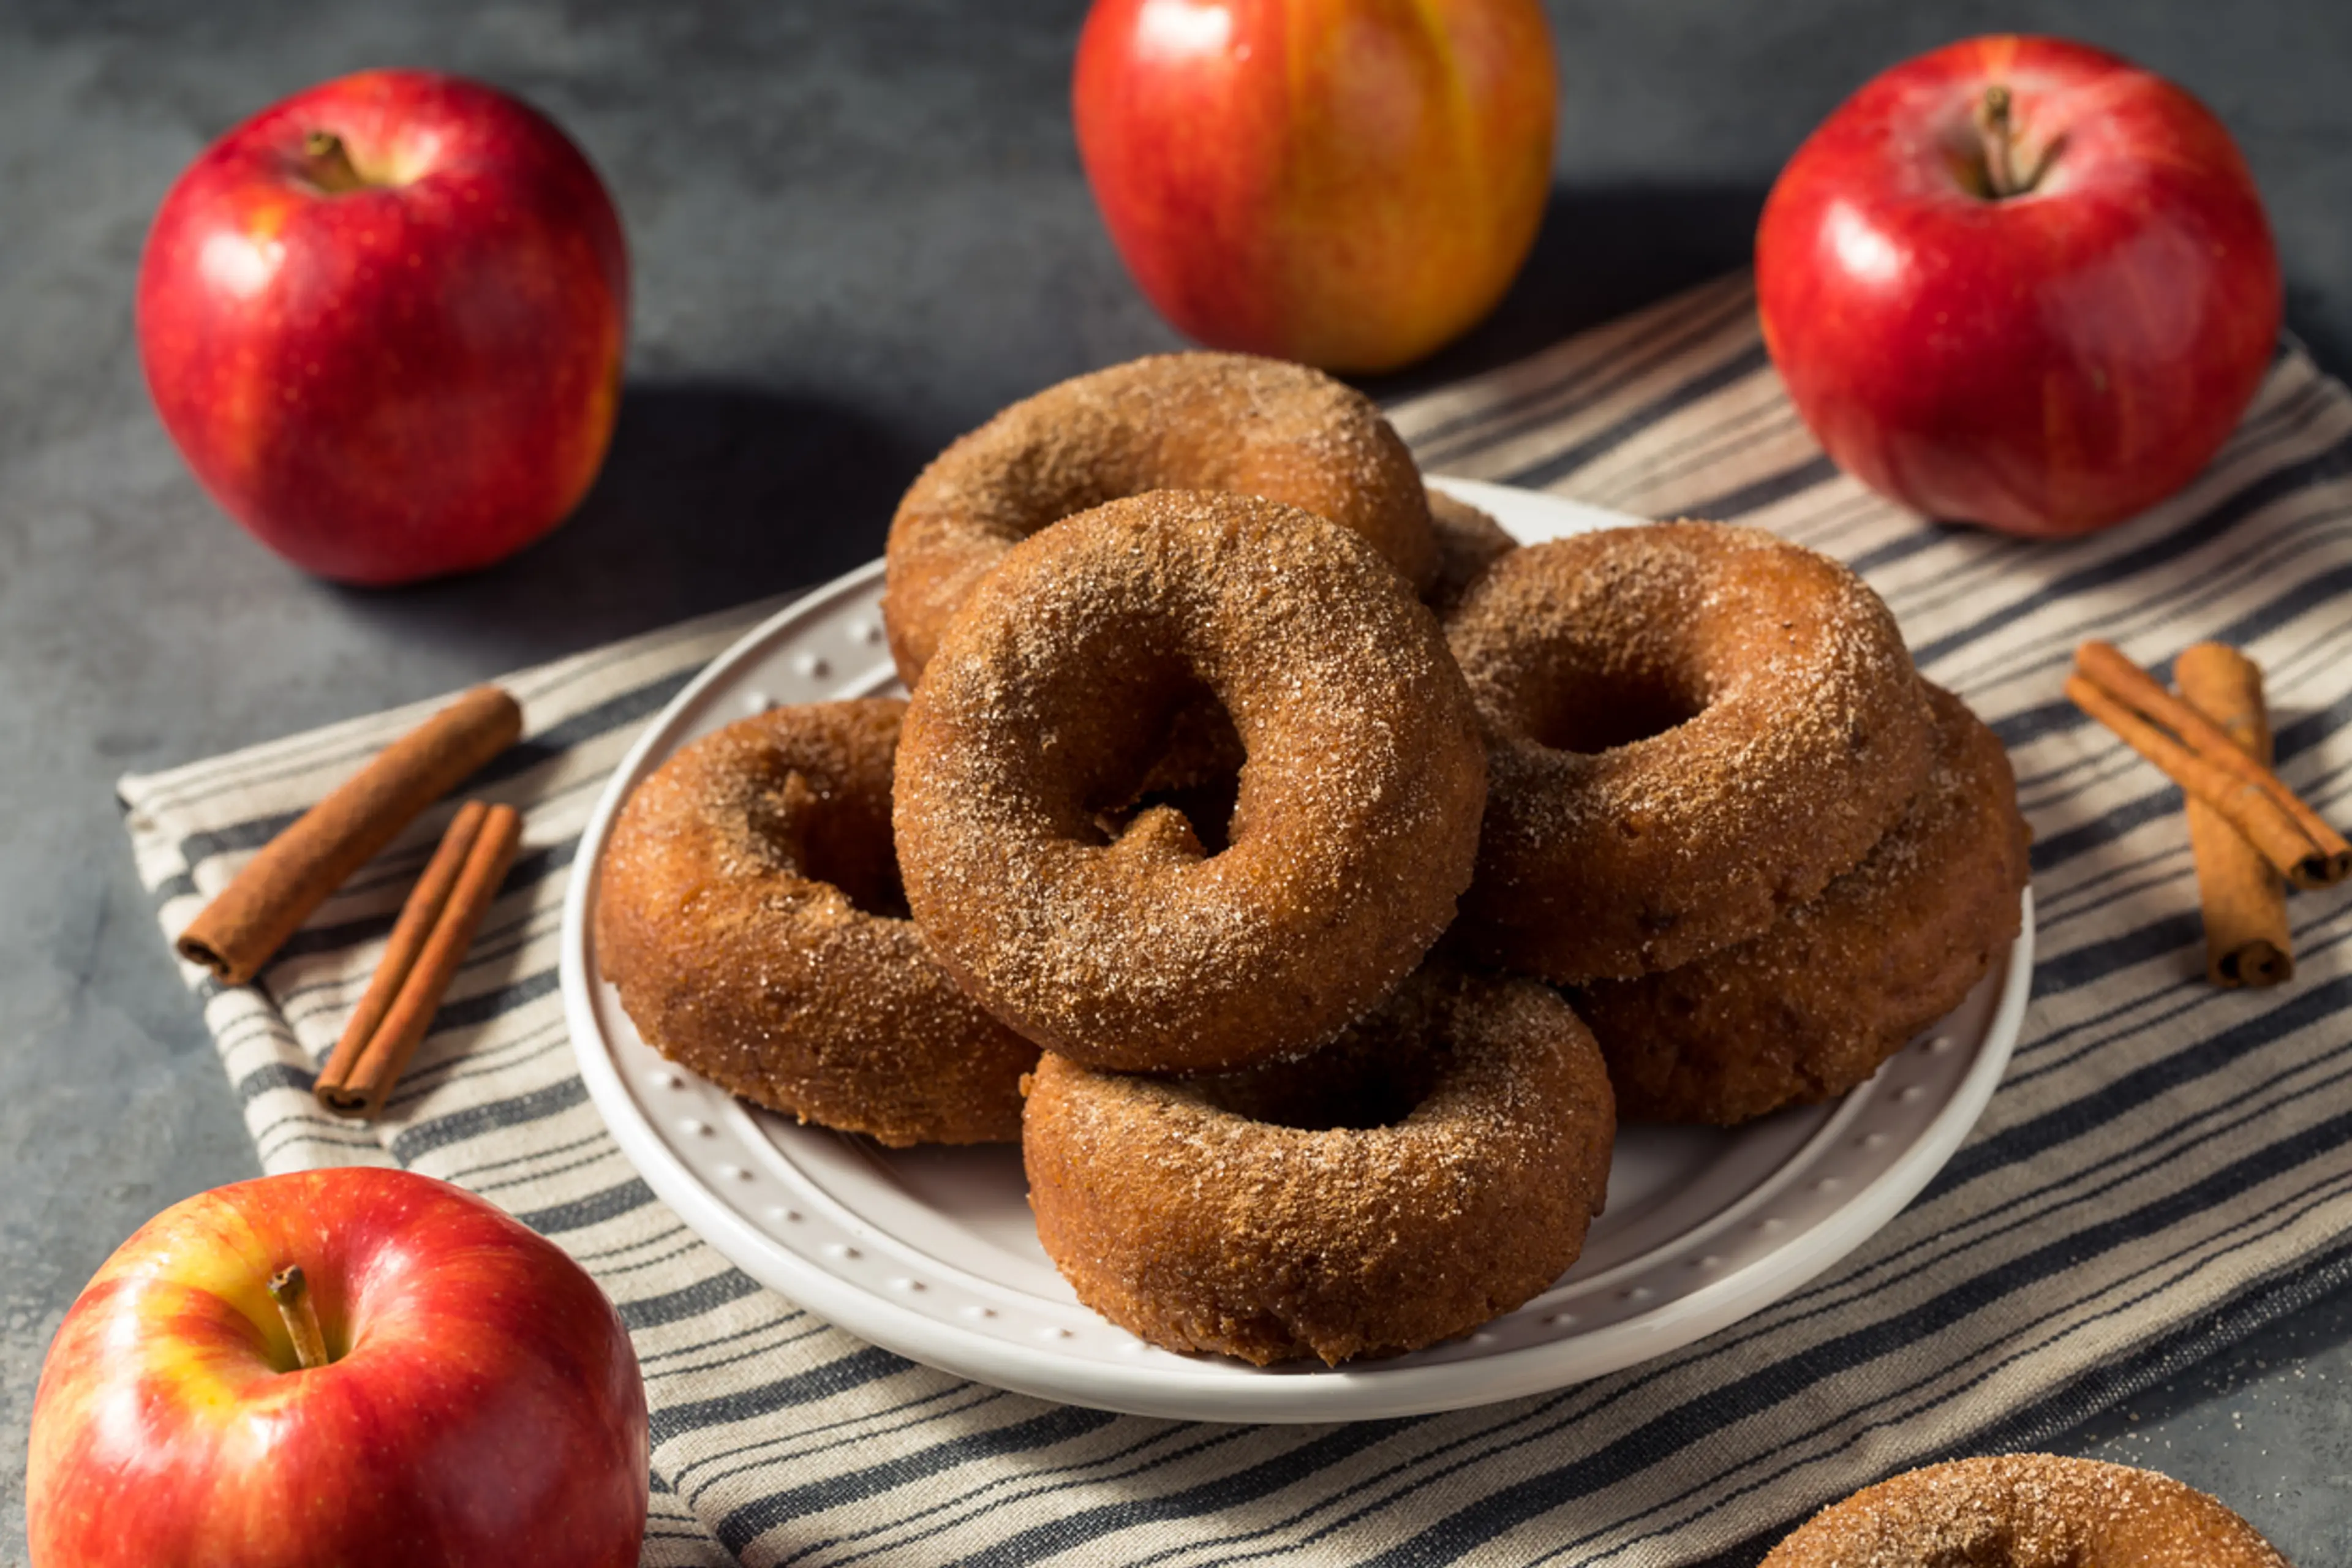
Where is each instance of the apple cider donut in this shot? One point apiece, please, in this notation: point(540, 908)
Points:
point(1842, 981)
point(745, 911)
point(1690, 728)
point(1435, 1167)
point(1180, 421)
point(1152, 941)
point(2027, 1511)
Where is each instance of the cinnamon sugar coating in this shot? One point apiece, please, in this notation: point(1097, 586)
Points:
point(743, 911)
point(1180, 421)
point(1690, 728)
point(1842, 981)
point(1129, 934)
point(1434, 1168)
point(2027, 1511)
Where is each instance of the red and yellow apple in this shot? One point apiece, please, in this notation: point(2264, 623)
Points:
point(384, 321)
point(1347, 183)
point(475, 1401)
point(2019, 282)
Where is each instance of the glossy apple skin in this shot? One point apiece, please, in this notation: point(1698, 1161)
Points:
point(484, 1407)
point(2046, 363)
point(397, 382)
point(1347, 183)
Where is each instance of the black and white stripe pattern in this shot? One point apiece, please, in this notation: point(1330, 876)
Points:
point(2165, 1165)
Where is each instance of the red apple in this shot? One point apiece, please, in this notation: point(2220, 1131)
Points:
point(1349, 183)
point(384, 321)
point(479, 1403)
point(2021, 282)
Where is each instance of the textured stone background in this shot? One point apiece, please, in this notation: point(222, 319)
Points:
point(858, 227)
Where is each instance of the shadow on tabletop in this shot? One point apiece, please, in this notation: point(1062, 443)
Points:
point(1601, 253)
point(712, 495)
point(2308, 319)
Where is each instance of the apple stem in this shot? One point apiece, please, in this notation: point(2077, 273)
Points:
point(1997, 131)
point(331, 162)
point(291, 1292)
point(1992, 124)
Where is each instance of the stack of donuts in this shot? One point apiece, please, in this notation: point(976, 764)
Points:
point(1293, 864)
point(1726, 813)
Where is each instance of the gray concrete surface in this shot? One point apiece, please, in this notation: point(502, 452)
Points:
point(858, 228)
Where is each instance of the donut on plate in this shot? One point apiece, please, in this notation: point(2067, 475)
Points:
point(1839, 983)
point(2027, 1511)
point(1181, 421)
point(1434, 1168)
point(1147, 941)
point(748, 910)
point(1690, 728)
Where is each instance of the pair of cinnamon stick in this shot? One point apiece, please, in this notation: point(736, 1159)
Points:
point(277, 889)
point(2250, 834)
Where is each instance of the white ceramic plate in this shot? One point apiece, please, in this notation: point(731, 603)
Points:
point(931, 1252)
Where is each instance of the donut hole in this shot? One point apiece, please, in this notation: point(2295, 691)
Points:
point(835, 837)
point(1208, 806)
point(869, 880)
point(1194, 769)
point(1602, 712)
point(1362, 1080)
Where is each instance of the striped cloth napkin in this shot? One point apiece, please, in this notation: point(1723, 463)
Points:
point(2165, 1168)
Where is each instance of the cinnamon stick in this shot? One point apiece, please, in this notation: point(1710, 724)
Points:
point(2248, 809)
point(2246, 939)
point(418, 917)
point(398, 1007)
point(2201, 758)
point(253, 916)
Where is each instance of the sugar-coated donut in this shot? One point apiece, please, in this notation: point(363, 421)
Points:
point(744, 911)
point(1434, 1168)
point(1691, 727)
point(1842, 981)
point(1136, 942)
point(2027, 1511)
point(1181, 421)
point(1468, 541)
